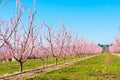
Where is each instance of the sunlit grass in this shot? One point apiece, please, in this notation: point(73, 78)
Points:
point(12, 67)
point(102, 67)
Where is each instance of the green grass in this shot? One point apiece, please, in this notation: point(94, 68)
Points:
point(11, 67)
point(102, 67)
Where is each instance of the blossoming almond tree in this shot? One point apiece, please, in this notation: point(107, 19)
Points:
point(56, 41)
point(21, 43)
point(115, 47)
point(60, 41)
point(41, 51)
point(49, 36)
point(7, 28)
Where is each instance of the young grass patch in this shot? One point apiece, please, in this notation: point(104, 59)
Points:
point(102, 67)
point(11, 67)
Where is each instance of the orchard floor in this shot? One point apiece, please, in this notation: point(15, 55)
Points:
point(101, 67)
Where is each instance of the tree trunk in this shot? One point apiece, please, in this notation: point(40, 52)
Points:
point(56, 60)
point(64, 59)
point(47, 60)
point(43, 63)
point(21, 66)
point(70, 57)
point(81, 56)
point(78, 55)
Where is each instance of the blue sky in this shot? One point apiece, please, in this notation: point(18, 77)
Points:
point(96, 20)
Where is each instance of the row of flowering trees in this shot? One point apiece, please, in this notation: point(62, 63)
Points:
point(115, 47)
point(23, 41)
point(29, 44)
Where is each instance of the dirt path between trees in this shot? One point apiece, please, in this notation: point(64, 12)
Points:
point(117, 54)
point(37, 71)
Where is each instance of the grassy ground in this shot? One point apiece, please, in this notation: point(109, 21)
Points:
point(102, 67)
point(11, 67)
